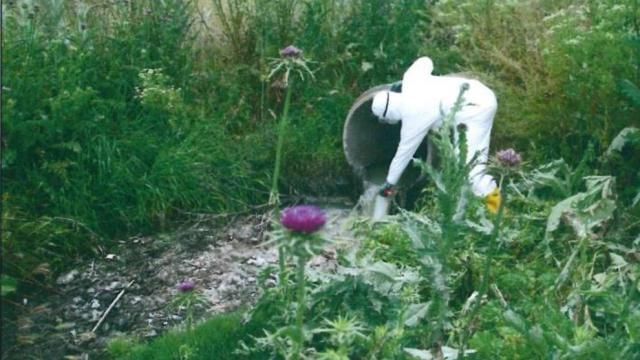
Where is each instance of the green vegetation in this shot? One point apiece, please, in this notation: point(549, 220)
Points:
point(552, 275)
point(217, 337)
point(127, 117)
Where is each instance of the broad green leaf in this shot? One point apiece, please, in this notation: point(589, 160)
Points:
point(419, 354)
point(618, 261)
point(562, 207)
point(414, 235)
point(625, 136)
point(8, 285)
point(631, 91)
point(383, 269)
point(448, 353)
point(484, 226)
point(415, 313)
point(586, 210)
point(452, 353)
point(597, 214)
point(600, 278)
point(513, 319)
point(554, 175)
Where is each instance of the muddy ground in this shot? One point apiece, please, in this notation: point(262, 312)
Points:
point(222, 260)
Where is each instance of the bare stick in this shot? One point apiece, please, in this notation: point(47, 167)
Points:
point(113, 303)
point(498, 293)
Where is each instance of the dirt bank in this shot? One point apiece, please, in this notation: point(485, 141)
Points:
point(222, 260)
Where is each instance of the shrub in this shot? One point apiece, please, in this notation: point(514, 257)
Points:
point(555, 66)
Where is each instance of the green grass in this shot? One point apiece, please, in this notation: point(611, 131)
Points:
point(217, 338)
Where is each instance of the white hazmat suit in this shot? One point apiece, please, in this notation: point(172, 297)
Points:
point(422, 105)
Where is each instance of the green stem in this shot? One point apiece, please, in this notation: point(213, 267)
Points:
point(274, 197)
point(300, 308)
point(281, 262)
point(448, 201)
point(263, 83)
point(189, 319)
point(493, 241)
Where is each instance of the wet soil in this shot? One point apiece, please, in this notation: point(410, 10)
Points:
point(142, 273)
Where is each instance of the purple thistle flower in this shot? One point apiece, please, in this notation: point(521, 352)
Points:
point(291, 52)
point(186, 286)
point(509, 158)
point(305, 219)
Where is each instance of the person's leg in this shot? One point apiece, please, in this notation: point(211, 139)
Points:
point(478, 123)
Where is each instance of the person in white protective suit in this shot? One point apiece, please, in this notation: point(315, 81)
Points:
point(422, 105)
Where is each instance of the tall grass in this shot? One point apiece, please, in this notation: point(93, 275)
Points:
point(102, 135)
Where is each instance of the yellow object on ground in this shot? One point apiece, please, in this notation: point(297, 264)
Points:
point(493, 201)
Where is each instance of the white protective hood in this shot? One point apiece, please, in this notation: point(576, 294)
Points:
point(387, 106)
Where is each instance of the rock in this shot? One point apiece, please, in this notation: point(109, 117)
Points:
point(233, 279)
point(224, 288)
point(95, 304)
point(113, 285)
point(83, 356)
point(135, 300)
point(68, 277)
point(65, 326)
point(243, 232)
point(163, 276)
point(257, 261)
point(122, 322)
point(85, 337)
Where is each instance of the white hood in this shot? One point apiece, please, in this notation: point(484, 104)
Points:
point(387, 106)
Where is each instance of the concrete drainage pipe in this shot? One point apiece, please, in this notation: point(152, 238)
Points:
point(369, 147)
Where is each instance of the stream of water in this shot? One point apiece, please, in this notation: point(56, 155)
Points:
point(373, 204)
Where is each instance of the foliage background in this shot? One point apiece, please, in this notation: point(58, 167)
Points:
point(127, 117)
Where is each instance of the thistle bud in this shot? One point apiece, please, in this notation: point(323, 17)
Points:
point(508, 158)
point(305, 219)
point(291, 52)
point(186, 286)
